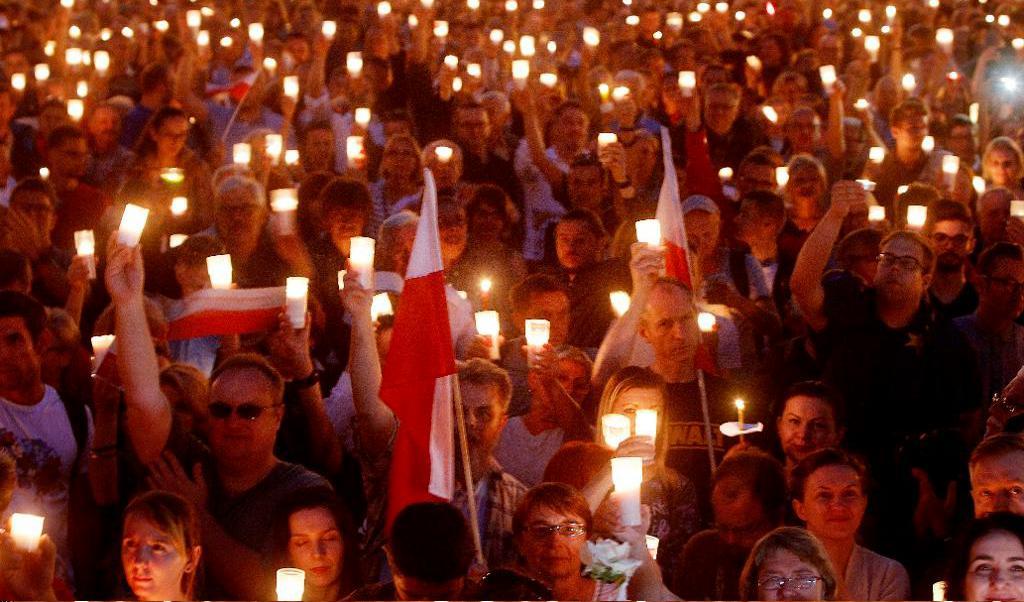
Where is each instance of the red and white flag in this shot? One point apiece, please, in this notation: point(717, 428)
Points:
point(217, 312)
point(416, 382)
point(235, 91)
point(670, 216)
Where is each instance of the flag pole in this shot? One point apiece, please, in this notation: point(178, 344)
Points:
point(460, 425)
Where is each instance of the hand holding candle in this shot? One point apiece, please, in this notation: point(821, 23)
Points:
point(284, 202)
point(129, 233)
point(26, 529)
point(627, 475)
point(360, 258)
point(296, 300)
point(488, 324)
point(85, 246)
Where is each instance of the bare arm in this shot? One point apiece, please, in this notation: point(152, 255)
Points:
point(836, 111)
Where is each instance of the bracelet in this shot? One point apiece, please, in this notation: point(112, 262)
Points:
point(308, 381)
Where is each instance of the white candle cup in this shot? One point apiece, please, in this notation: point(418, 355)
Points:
point(979, 185)
point(129, 232)
point(42, 72)
point(939, 591)
point(175, 240)
point(725, 174)
point(770, 114)
point(291, 156)
point(828, 77)
point(256, 32)
point(441, 29)
point(354, 63)
point(867, 185)
point(548, 79)
point(444, 154)
point(194, 19)
point(944, 38)
point(706, 321)
point(220, 271)
point(100, 346)
point(296, 294)
point(291, 86)
point(1017, 209)
point(172, 175)
point(908, 82)
point(687, 82)
point(329, 29)
point(591, 37)
point(652, 546)
point(383, 9)
point(241, 153)
point(917, 215)
point(620, 302)
point(26, 529)
point(620, 93)
point(488, 324)
point(649, 231)
point(928, 144)
point(872, 44)
point(179, 205)
point(18, 81)
point(274, 146)
point(527, 46)
point(85, 246)
point(360, 258)
point(782, 176)
point(614, 429)
point(362, 116)
point(950, 167)
point(538, 333)
point(876, 214)
point(627, 475)
point(291, 584)
point(646, 423)
point(520, 73)
point(876, 154)
point(606, 138)
point(284, 203)
point(355, 150)
point(380, 305)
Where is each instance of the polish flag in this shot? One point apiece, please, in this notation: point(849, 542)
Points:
point(217, 312)
point(670, 216)
point(417, 382)
point(236, 90)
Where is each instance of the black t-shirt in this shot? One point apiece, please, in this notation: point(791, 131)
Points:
point(963, 305)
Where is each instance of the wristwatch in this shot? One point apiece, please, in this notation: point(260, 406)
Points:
point(307, 381)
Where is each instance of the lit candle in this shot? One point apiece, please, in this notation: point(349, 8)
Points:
point(474, 70)
point(674, 21)
point(652, 543)
point(488, 324)
point(273, 145)
point(175, 240)
point(220, 271)
point(355, 151)
point(100, 346)
point(1017, 43)
point(100, 61)
point(782, 176)
point(362, 117)
point(360, 258)
point(172, 175)
point(73, 57)
point(284, 203)
point(528, 46)
point(241, 153)
point(291, 584)
point(627, 475)
point(341, 279)
point(909, 82)
point(383, 9)
point(133, 220)
point(872, 44)
point(548, 79)
point(620, 302)
point(473, 4)
point(620, 93)
point(861, 104)
point(606, 138)
point(591, 37)
point(687, 82)
point(291, 87)
point(329, 29)
point(876, 154)
point(256, 32)
point(647, 423)
point(944, 38)
point(916, 216)
point(928, 144)
point(42, 72)
point(972, 110)
point(1017, 208)
point(441, 29)
point(950, 167)
point(867, 185)
point(203, 38)
point(354, 63)
point(162, 26)
point(864, 16)
point(615, 429)
point(725, 174)
point(76, 109)
point(444, 153)
point(706, 321)
point(451, 62)
point(538, 333)
point(770, 114)
point(939, 591)
point(740, 407)
point(520, 72)
point(26, 529)
point(649, 231)
point(754, 62)
point(291, 156)
point(380, 305)
point(828, 77)
point(18, 81)
point(296, 295)
point(485, 291)
point(194, 19)
point(876, 214)
point(890, 12)
point(179, 205)
point(497, 36)
point(85, 246)
point(979, 185)
point(44, 173)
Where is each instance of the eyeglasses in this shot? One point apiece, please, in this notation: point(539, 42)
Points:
point(797, 583)
point(568, 530)
point(1008, 284)
point(940, 239)
point(245, 411)
point(903, 262)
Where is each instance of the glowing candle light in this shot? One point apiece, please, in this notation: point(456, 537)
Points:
point(652, 544)
point(620, 93)
point(474, 70)
point(18, 81)
point(329, 29)
point(649, 231)
point(296, 294)
point(172, 175)
point(627, 475)
point(944, 38)
point(520, 72)
point(220, 271)
point(606, 138)
point(1017, 208)
point(706, 321)
point(864, 16)
point(872, 44)
point(917, 215)
point(548, 80)
point(291, 87)
point(740, 407)
point(527, 46)
point(441, 29)
point(614, 429)
point(770, 114)
point(383, 9)
point(360, 258)
point(950, 167)
point(497, 36)
point(162, 26)
point(646, 423)
point(274, 145)
point(175, 240)
point(591, 37)
point(291, 584)
point(341, 279)
point(876, 154)
point(620, 302)
point(101, 345)
point(928, 144)
point(979, 184)
point(284, 203)
point(256, 32)
point(241, 153)
point(488, 324)
point(687, 82)
point(354, 63)
point(939, 591)
point(100, 62)
point(782, 176)
point(362, 117)
point(973, 111)
point(291, 156)
point(754, 63)
point(203, 38)
point(876, 214)
point(26, 529)
point(194, 19)
point(76, 109)
point(867, 185)
point(133, 220)
point(42, 72)
point(909, 82)
point(674, 21)
point(179, 205)
point(828, 77)
point(85, 246)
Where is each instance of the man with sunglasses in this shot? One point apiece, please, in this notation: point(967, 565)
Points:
point(951, 230)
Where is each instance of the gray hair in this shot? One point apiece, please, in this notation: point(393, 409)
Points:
point(388, 238)
point(235, 182)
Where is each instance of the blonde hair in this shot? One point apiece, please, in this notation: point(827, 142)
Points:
point(799, 542)
point(173, 515)
point(1002, 143)
point(635, 377)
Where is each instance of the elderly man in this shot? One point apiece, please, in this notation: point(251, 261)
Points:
point(108, 160)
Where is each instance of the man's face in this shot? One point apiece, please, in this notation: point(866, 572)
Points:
point(342, 223)
point(805, 185)
point(896, 283)
point(576, 245)
point(1001, 291)
point(398, 161)
point(235, 439)
point(910, 132)
point(756, 227)
point(103, 126)
point(485, 417)
point(739, 516)
point(961, 143)
point(997, 485)
point(575, 379)
point(756, 177)
point(586, 187)
point(70, 158)
point(720, 112)
point(239, 218)
point(806, 425)
point(803, 131)
point(38, 207)
point(19, 359)
point(572, 125)
point(953, 241)
point(669, 324)
point(451, 223)
point(472, 128)
point(702, 229)
point(318, 150)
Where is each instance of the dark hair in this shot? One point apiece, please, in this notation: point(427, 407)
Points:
point(764, 476)
point(556, 496)
point(62, 134)
point(977, 529)
point(34, 184)
point(345, 193)
point(946, 210)
point(494, 197)
point(587, 218)
point(253, 361)
point(1000, 250)
point(153, 76)
point(818, 390)
point(845, 250)
point(431, 541)
point(146, 145)
point(319, 124)
point(19, 305)
point(907, 109)
point(15, 269)
point(927, 254)
point(311, 498)
point(536, 284)
point(820, 459)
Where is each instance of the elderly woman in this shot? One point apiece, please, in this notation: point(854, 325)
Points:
point(788, 564)
point(400, 183)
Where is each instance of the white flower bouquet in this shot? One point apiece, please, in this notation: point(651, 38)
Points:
point(611, 563)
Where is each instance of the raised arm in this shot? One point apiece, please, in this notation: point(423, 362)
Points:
point(834, 138)
point(148, 412)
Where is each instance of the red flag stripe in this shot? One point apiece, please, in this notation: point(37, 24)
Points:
point(222, 322)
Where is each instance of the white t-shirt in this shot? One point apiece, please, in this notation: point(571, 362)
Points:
point(525, 455)
point(40, 441)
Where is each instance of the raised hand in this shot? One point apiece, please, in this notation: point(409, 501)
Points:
point(124, 274)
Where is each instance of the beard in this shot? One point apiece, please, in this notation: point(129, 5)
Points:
point(948, 262)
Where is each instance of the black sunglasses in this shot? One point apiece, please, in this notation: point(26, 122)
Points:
point(246, 411)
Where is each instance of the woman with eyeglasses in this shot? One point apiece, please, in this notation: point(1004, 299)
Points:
point(989, 560)
point(828, 495)
point(788, 564)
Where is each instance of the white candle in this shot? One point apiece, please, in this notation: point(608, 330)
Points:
point(18, 81)
point(203, 38)
point(291, 86)
point(619, 301)
point(606, 138)
point(939, 591)
point(355, 151)
point(380, 305)
point(950, 167)
point(360, 258)
point(354, 63)
point(270, 64)
point(341, 279)
point(441, 29)
point(725, 174)
point(175, 240)
point(520, 72)
point(132, 222)
point(26, 529)
point(928, 144)
point(76, 108)
point(162, 26)
point(591, 37)
point(241, 153)
point(473, 4)
point(782, 176)
point(291, 156)
point(284, 203)
point(497, 36)
point(916, 216)
point(85, 246)
point(867, 185)
point(100, 346)
point(646, 423)
point(291, 584)
point(770, 114)
point(194, 19)
point(652, 546)
point(864, 16)
point(876, 214)
point(620, 93)
point(451, 61)
point(649, 231)
point(1017, 208)
point(861, 104)
point(944, 38)
point(220, 271)
point(329, 29)
point(383, 9)
point(548, 79)
point(872, 44)
point(444, 153)
point(828, 76)
point(538, 333)
point(674, 20)
point(754, 62)
point(296, 293)
point(100, 61)
point(44, 173)
point(614, 429)
point(488, 324)
point(256, 32)
point(876, 154)
point(706, 321)
point(273, 144)
point(527, 46)
point(627, 475)
point(42, 72)
point(73, 57)
point(909, 82)
point(687, 82)
point(979, 184)
point(179, 205)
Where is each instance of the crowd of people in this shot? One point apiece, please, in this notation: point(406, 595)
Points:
point(851, 180)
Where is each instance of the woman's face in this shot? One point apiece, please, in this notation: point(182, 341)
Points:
point(995, 570)
point(154, 564)
point(1003, 168)
point(170, 137)
point(833, 503)
point(631, 400)
point(315, 546)
point(549, 554)
point(783, 576)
